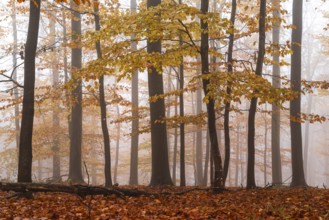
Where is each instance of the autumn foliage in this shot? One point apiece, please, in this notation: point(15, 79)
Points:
point(272, 203)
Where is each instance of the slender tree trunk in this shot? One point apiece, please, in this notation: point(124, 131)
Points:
point(174, 167)
point(56, 124)
point(117, 148)
point(206, 164)
point(228, 91)
point(253, 105)
point(75, 169)
point(298, 178)
point(265, 150)
point(15, 52)
point(199, 138)
point(102, 103)
point(182, 125)
point(275, 133)
point(218, 170)
point(133, 179)
point(160, 164)
point(25, 142)
point(237, 156)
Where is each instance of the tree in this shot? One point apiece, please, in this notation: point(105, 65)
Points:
point(133, 179)
point(298, 178)
point(275, 132)
point(75, 170)
point(160, 165)
point(56, 122)
point(228, 90)
point(102, 103)
point(25, 142)
point(15, 52)
point(181, 114)
point(204, 52)
point(253, 105)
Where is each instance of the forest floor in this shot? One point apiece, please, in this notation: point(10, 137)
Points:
point(270, 203)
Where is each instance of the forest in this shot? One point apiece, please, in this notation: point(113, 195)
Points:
point(114, 105)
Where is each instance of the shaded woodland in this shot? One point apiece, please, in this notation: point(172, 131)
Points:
point(187, 93)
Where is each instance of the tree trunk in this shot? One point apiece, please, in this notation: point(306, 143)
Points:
point(102, 103)
point(228, 91)
point(116, 163)
point(133, 179)
point(174, 167)
point(218, 172)
point(160, 164)
point(75, 170)
point(15, 52)
point(275, 132)
point(253, 105)
point(182, 125)
point(237, 156)
point(25, 142)
point(56, 125)
point(199, 173)
point(206, 163)
point(265, 150)
point(298, 178)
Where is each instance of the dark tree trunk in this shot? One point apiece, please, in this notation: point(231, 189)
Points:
point(102, 103)
point(276, 156)
point(133, 179)
point(218, 170)
point(75, 170)
point(25, 143)
point(160, 165)
point(298, 178)
point(228, 91)
point(253, 105)
point(181, 114)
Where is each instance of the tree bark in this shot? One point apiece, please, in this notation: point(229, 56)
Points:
point(199, 172)
point(25, 142)
point(15, 52)
point(228, 91)
point(253, 105)
point(56, 124)
point(218, 170)
point(116, 162)
point(160, 166)
point(206, 163)
point(133, 179)
point(298, 178)
point(102, 103)
point(75, 170)
point(181, 114)
point(275, 132)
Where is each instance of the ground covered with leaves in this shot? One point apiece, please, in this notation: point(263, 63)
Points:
point(166, 203)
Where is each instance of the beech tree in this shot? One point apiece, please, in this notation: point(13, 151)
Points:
point(298, 178)
point(25, 142)
point(253, 105)
point(75, 169)
point(160, 166)
point(102, 103)
point(275, 132)
point(133, 179)
point(228, 90)
point(204, 52)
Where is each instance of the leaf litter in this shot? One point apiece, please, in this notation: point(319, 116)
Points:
point(235, 203)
